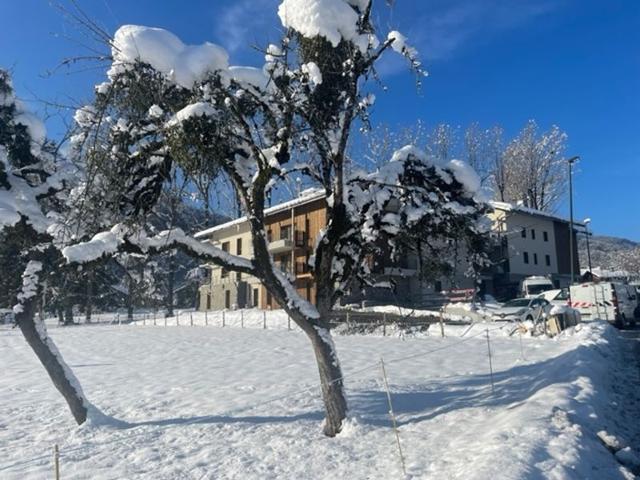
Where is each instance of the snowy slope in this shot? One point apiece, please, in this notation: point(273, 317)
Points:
point(210, 403)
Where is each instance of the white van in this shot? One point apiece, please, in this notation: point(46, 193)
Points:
point(611, 301)
point(534, 286)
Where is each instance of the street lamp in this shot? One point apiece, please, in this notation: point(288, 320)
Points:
point(570, 162)
point(586, 223)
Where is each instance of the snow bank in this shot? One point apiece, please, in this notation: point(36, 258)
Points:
point(165, 52)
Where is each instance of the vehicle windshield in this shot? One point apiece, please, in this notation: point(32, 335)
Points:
point(518, 302)
point(536, 289)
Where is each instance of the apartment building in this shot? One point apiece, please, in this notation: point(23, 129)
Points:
point(291, 229)
point(529, 243)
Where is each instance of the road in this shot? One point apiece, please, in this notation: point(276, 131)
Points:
point(633, 403)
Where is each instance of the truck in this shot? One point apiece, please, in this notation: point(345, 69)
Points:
point(612, 301)
point(533, 286)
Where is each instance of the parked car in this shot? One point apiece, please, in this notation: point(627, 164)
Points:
point(612, 301)
point(521, 309)
point(534, 286)
point(558, 296)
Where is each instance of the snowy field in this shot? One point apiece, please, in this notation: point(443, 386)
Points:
point(209, 403)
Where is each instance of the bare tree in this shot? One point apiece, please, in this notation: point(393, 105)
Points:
point(535, 172)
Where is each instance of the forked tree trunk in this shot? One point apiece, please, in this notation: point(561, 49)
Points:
point(42, 345)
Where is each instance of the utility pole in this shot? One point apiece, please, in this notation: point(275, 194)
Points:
point(571, 161)
point(586, 222)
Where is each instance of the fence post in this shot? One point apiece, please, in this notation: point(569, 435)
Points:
point(223, 318)
point(177, 319)
point(154, 318)
point(521, 347)
point(393, 417)
point(441, 324)
point(288, 322)
point(490, 363)
point(384, 324)
point(56, 461)
point(206, 318)
point(191, 318)
point(144, 319)
point(118, 318)
point(241, 318)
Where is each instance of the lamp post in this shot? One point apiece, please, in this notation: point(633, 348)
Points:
point(570, 162)
point(586, 222)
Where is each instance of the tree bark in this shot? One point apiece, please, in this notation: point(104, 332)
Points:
point(331, 382)
point(52, 363)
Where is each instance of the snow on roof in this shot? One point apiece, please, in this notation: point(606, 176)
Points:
point(510, 207)
point(307, 196)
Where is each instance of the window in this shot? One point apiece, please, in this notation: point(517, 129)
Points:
point(224, 272)
point(547, 260)
point(269, 236)
point(285, 232)
point(285, 263)
point(535, 258)
point(238, 276)
point(545, 236)
point(225, 246)
point(208, 301)
point(525, 257)
point(227, 299)
point(239, 246)
point(523, 233)
point(533, 234)
point(255, 297)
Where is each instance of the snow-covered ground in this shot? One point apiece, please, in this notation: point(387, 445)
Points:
point(209, 403)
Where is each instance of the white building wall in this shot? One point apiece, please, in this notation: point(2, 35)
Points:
point(522, 248)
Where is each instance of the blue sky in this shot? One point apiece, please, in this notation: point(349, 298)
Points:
point(574, 63)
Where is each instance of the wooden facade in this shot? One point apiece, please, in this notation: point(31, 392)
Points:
point(301, 225)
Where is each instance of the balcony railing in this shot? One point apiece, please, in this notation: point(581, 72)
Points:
point(282, 245)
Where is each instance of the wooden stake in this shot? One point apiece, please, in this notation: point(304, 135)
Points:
point(206, 318)
point(56, 461)
point(441, 324)
point(191, 318)
point(392, 415)
point(223, 319)
point(288, 322)
point(384, 324)
point(264, 320)
point(490, 363)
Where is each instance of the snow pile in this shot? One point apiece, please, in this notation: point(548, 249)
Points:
point(335, 20)
point(466, 175)
point(165, 52)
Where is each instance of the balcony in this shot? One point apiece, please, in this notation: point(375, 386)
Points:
point(399, 272)
point(279, 246)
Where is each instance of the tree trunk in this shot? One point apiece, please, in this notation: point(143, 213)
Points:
point(44, 349)
point(335, 402)
point(68, 312)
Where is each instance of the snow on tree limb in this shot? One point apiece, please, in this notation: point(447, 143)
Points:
point(124, 239)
